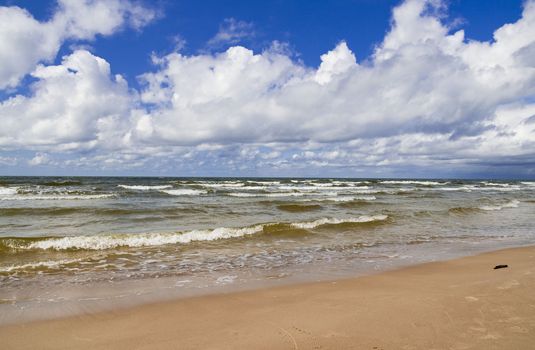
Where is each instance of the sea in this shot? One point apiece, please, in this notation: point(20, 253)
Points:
point(71, 245)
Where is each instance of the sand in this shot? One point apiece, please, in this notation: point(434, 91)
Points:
point(458, 304)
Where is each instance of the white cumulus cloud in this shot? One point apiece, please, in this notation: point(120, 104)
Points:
point(25, 41)
point(426, 98)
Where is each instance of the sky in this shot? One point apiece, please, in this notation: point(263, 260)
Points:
point(345, 88)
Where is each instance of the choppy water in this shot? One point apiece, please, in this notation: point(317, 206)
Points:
point(72, 234)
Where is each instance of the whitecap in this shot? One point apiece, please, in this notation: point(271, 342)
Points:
point(413, 182)
point(353, 198)
point(222, 185)
point(8, 191)
point(101, 242)
point(273, 194)
point(144, 187)
point(184, 192)
point(334, 221)
point(343, 199)
point(23, 197)
point(512, 204)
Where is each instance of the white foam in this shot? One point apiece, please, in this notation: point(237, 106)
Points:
point(23, 197)
point(353, 198)
point(318, 188)
point(226, 279)
point(267, 183)
point(334, 221)
point(101, 242)
point(486, 183)
point(184, 192)
point(344, 199)
point(144, 187)
point(48, 264)
point(253, 188)
point(222, 185)
point(461, 188)
point(274, 194)
point(500, 189)
point(8, 191)
point(512, 204)
point(412, 182)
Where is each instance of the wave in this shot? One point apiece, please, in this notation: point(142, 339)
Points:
point(23, 197)
point(8, 191)
point(463, 210)
point(500, 189)
point(111, 241)
point(319, 188)
point(222, 185)
point(470, 188)
point(412, 182)
point(501, 184)
point(448, 189)
point(322, 184)
point(61, 211)
point(469, 210)
point(334, 221)
point(512, 204)
point(61, 183)
point(265, 183)
point(342, 199)
point(41, 265)
point(272, 194)
point(296, 208)
point(353, 198)
point(145, 187)
point(184, 192)
point(103, 242)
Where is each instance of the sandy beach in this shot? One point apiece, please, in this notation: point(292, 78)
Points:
point(459, 304)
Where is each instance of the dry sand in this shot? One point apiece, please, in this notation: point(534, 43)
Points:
point(457, 304)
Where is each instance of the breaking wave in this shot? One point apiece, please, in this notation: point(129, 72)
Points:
point(334, 221)
point(274, 194)
point(26, 197)
point(184, 192)
point(110, 241)
point(145, 187)
point(8, 191)
point(412, 182)
point(512, 204)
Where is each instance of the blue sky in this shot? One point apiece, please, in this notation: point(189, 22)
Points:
point(360, 88)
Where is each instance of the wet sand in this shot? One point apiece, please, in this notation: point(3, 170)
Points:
point(458, 304)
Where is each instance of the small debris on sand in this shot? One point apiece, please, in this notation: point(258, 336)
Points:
point(500, 267)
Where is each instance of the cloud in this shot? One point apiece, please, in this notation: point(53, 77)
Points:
point(421, 78)
point(231, 31)
point(427, 98)
point(25, 41)
point(39, 159)
point(76, 105)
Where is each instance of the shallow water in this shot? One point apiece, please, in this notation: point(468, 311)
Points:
point(76, 240)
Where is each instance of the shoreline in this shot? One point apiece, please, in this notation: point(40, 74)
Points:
point(459, 303)
point(72, 301)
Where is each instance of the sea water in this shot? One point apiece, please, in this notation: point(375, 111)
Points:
point(70, 245)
